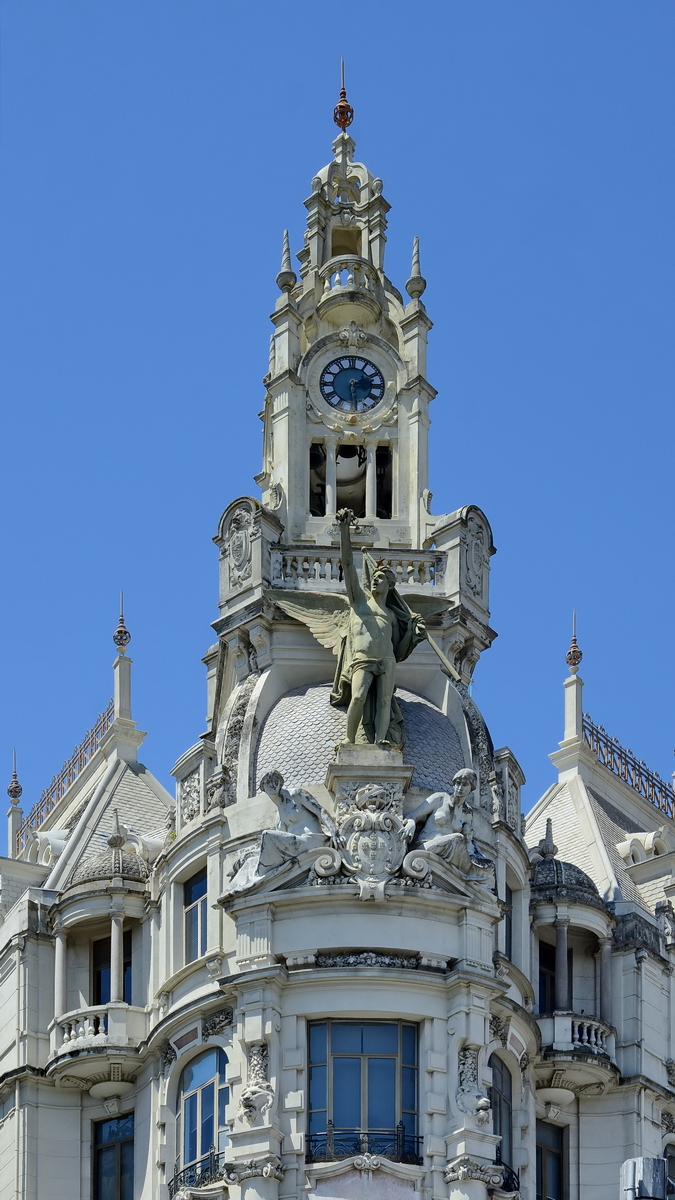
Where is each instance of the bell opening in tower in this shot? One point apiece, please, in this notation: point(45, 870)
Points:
point(383, 474)
point(317, 479)
point(345, 241)
point(350, 476)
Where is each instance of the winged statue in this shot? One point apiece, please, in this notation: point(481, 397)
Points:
point(370, 630)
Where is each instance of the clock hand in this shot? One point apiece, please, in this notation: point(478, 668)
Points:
point(352, 389)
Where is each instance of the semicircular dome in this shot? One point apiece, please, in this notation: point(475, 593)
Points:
point(554, 872)
point(300, 731)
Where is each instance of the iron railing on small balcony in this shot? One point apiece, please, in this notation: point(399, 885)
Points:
point(395, 1144)
point(510, 1178)
point(635, 772)
point(208, 1170)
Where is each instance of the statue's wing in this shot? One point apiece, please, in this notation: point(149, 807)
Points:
point(325, 615)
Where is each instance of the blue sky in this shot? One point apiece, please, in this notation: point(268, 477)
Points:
point(151, 154)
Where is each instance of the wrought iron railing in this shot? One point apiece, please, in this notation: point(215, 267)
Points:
point(207, 1170)
point(633, 771)
point(67, 775)
point(510, 1178)
point(395, 1144)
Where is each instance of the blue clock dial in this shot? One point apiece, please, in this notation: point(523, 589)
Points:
point(351, 384)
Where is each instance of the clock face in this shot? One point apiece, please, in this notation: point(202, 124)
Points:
point(351, 384)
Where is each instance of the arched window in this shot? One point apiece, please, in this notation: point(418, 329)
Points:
point(201, 1106)
point(501, 1101)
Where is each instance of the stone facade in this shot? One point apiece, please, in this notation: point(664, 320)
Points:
point(328, 967)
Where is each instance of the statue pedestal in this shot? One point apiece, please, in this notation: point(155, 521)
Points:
point(365, 763)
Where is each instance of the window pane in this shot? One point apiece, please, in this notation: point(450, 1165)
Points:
point(222, 1065)
point(199, 1071)
point(549, 1135)
point(553, 1176)
point(347, 1092)
point(409, 1043)
point(208, 1106)
point(115, 1129)
point(127, 1171)
point(345, 1038)
point(409, 1089)
point(191, 933)
point(317, 1087)
point(381, 1093)
point(317, 1043)
point(194, 888)
point(317, 1121)
point(380, 1039)
point(202, 924)
point(223, 1101)
point(540, 1171)
point(190, 1120)
point(106, 1173)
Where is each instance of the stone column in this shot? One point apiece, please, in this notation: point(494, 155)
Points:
point(371, 481)
point(606, 980)
point(561, 979)
point(331, 477)
point(60, 972)
point(116, 957)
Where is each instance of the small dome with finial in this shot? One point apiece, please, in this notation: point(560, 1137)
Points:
point(553, 878)
point(114, 862)
point(15, 789)
point(286, 279)
point(121, 636)
point(417, 283)
point(343, 113)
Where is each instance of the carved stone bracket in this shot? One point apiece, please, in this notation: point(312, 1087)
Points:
point(470, 1098)
point(465, 1167)
point(167, 1057)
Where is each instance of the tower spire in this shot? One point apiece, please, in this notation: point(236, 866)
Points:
point(286, 279)
point(121, 636)
point(574, 654)
point(343, 113)
point(14, 790)
point(417, 283)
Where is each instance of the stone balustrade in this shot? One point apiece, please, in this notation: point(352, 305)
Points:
point(348, 271)
point(320, 568)
point(571, 1032)
point(104, 1025)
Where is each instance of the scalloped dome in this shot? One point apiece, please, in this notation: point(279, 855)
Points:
point(109, 863)
point(300, 731)
point(553, 873)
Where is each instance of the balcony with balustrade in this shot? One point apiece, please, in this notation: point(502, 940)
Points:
point(351, 290)
point(421, 571)
point(81, 1042)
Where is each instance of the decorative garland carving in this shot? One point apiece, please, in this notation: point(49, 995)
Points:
point(167, 1057)
point(190, 796)
point(368, 959)
point(217, 1023)
point(464, 1168)
point(499, 1029)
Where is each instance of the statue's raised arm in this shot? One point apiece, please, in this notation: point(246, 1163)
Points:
point(355, 593)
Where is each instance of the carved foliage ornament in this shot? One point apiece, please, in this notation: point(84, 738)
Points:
point(470, 1098)
point(217, 1023)
point(190, 790)
point(256, 1098)
point(237, 546)
point(465, 1168)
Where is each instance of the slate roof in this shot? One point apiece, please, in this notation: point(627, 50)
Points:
point(299, 735)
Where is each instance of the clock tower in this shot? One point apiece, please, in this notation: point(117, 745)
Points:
point(347, 406)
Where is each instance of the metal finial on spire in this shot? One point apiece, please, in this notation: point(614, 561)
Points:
point(121, 636)
point(574, 654)
point(417, 283)
point(15, 789)
point(286, 279)
point(343, 113)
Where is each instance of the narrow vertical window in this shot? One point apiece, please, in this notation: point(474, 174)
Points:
point(203, 1096)
point(101, 969)
point(317, 479)
point(508, 923)
point(384, 477)
point(194, 904)
point(114, 1158)
point(549, 1161)
point(546, 977)
point(501, 1102)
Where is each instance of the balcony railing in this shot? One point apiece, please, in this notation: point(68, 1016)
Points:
point(67, 775)
point(633, 771)
point(510, 1178)
point(200, 1174)
point(395, 1144)
point(577, 1033)
point(98, 1025)
point(320, 568)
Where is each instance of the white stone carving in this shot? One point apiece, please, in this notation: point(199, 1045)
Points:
point(465, 1168)
point(257, 1097)
point(446, 828)
point(470, 1098)
point(237, 545)
point(353, 335)
point(371, 842)
point(190, 796)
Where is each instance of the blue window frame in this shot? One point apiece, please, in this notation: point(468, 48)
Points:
point(203, 1096)
point(114, 1158)
point(362, 1088)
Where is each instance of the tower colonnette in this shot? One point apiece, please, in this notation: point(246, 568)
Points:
point(339, 964)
